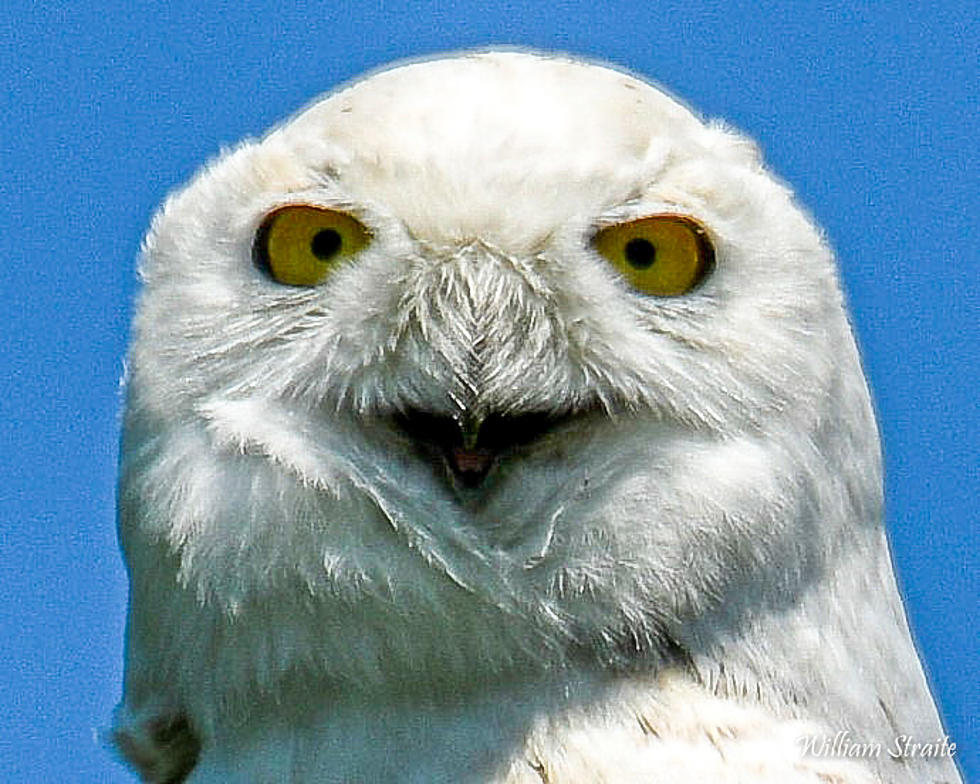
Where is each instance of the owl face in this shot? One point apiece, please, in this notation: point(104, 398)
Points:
point(494, 335)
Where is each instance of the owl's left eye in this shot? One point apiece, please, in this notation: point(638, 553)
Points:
point(662, 255)
point(299, 245)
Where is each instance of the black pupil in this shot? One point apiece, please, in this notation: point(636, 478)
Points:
point(640, 253)
point(325, 244)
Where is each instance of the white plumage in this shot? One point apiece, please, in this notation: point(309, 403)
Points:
point(473, 505)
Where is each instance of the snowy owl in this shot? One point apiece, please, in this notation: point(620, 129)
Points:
point(495, 419)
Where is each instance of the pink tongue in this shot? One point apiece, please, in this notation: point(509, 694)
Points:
point(471, 461)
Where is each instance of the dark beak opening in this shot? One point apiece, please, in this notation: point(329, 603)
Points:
point(470, 447)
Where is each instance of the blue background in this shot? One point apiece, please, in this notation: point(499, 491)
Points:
point(870, 109)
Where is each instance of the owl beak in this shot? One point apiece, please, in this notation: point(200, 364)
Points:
point(469, 461)
point(469, 428)
point(469, 447)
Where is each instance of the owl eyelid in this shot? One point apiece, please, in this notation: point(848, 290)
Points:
point(344, 208)
point(609, 222)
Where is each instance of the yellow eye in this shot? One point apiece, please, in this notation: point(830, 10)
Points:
point(299, 245)
point(663, 255)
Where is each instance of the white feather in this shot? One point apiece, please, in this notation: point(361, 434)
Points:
point(678, 583)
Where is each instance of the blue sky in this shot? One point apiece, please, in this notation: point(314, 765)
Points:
point(869, 109)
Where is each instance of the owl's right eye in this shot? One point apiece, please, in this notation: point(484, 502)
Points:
point(299, 245)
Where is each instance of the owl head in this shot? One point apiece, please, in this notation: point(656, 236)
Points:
point(487, 362)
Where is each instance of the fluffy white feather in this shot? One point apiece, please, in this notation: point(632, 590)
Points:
point(678, 581)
